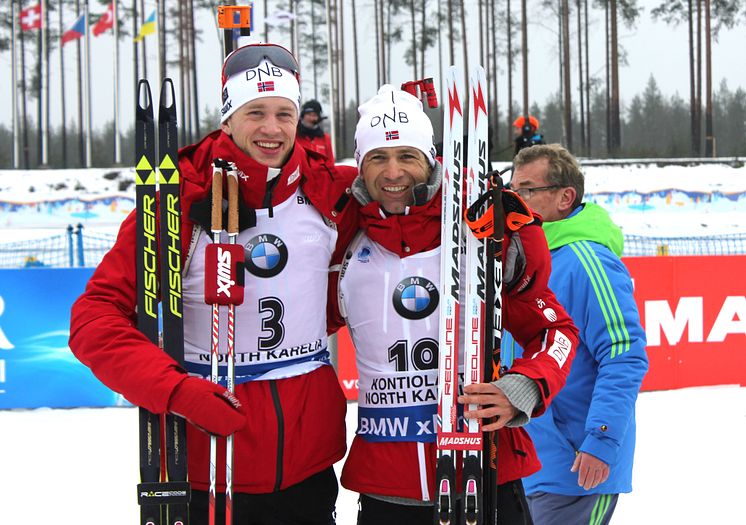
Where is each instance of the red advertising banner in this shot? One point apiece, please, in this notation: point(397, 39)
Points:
point(346, 369)
point(694, 313)
point(693, 310)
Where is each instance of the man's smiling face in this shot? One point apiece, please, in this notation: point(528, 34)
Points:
point(390, 174)
point(264, 129)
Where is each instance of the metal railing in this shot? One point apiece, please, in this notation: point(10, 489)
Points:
point(76, 248)
point(66, 250)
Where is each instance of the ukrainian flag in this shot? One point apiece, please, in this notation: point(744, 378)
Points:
point(148, 28)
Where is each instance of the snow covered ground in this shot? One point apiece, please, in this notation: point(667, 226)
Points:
point(644, 199)
point(80, 466)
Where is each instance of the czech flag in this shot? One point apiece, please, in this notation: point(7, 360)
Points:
point(77, 30)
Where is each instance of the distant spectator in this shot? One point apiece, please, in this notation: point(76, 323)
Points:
point(310, 135)
point(32, 262)
point(526, 133)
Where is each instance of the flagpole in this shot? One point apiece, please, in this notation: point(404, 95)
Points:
point(62, 95)
point(193, 68)
point(14, 80)
point(142, 42)
point(266, 27)
point(293, 39)
point(38, 88)
point(24, 106)
point(47, 74)
point(333, 133)
point(117, 136)
point(79, 49)
point(158, 41)
point(44, 138)
point(87, 87)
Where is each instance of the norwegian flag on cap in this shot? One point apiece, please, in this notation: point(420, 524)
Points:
point(392, 135)
point(269, 85)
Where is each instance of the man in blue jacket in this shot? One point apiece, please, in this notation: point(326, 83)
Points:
point(586, 438)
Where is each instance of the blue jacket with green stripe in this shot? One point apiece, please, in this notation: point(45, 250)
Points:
point(595, 411)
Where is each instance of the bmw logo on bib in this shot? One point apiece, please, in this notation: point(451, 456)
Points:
point(266, 255)
point(415, 298)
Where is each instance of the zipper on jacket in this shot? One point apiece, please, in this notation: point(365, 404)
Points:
point(271, 184)
point(280, 432)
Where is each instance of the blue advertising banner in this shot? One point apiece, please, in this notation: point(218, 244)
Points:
point(37, 368)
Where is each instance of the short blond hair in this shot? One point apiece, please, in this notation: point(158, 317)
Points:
point(564, 170)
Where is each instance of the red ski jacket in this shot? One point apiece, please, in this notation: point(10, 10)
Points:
point(321, 145)
point(401, 468)
point(295, 426)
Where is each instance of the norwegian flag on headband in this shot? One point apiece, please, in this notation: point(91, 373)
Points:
point(392, 135)
point(269, 85)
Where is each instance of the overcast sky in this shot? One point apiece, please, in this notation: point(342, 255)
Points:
point(653, 48)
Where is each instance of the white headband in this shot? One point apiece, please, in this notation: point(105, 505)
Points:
point(393, 118)
point(265, 80)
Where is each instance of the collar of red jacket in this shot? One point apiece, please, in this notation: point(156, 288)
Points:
point(253, 175)
point(327, 191)
point(417, 231)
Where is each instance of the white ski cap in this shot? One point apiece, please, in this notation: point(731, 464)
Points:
point(265, 80)
point(390, 119)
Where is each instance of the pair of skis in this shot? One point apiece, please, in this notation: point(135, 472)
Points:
point(163, 496)
point(480, 295)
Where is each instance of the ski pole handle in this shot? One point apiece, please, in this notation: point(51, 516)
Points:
point(217, 200)
point(423, 89)
point(410, 87)
point(429, 89)
point(232, 202)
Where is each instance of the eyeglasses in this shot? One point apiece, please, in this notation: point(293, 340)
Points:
point(525, 193)
point(248, 57)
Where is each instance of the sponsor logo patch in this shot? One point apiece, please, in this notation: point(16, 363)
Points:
point(415, 298)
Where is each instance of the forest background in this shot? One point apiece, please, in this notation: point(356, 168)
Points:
point(568, 62)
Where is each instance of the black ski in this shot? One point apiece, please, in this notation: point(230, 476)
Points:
point(147, 292)
point(171, 298)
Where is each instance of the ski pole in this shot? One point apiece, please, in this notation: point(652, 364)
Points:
point(493, 336)
point(216, 229)
point(231, 357)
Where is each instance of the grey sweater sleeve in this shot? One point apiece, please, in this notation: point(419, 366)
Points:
point(523, 393)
